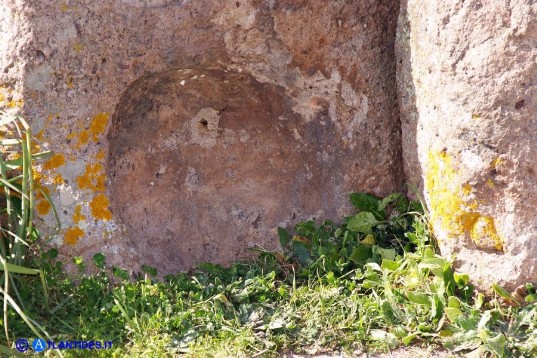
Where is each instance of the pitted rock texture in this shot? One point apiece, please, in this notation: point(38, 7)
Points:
point(467, 73)
point(205, 162)
point(331, 64)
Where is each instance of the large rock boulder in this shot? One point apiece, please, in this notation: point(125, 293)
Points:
point(467, 72)
point(308, 114)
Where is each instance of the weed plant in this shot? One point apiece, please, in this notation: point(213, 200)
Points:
point(372, 283)
point(17, 233)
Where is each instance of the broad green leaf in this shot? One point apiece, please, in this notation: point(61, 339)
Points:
point(462, 279)
point(306, 228)
point(454, 302)
point(460, 341)
point(434, 264)
point(301, 252)
point(99, 259)
point(408, 339)
point(369, 240)
point(361, 254)
point(485, 318)
point(437, 308)
point(419, 298)
point(398, 198)
point(453, 313)
point(365, 202)
point(390, 265)
point(386, 254)
point(285, 237)
point(494, 344)
point(363, 222)
point(387, 311)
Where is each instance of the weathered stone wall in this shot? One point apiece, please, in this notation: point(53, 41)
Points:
point(467, 73)
point(188, 130)
point(306, 113)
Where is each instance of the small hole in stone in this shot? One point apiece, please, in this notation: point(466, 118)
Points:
point(204, 122)
point(520, 104)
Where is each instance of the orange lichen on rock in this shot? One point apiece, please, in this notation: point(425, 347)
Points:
point(99, 207)
point(78, 47)
point(40, 189)
point(77, 216)
point(56, 161)
point(58, 179)
point(449, 207)
point(93, 178)
point(72, 235)
point(83, 138)
point(100, 155)
point(98, 125)
point(43, 207)
point(39, 136)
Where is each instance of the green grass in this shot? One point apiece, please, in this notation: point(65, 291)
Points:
point(372, 283)
point(17, 234)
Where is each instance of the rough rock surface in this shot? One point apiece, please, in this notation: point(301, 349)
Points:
point(467, 73)
point(75, 63)
point(202, 165)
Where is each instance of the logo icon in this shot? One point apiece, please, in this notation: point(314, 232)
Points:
point(39, 345)
point(22, 345)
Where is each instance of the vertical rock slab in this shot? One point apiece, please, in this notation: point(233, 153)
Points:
point(327, 66)
point(467, 76)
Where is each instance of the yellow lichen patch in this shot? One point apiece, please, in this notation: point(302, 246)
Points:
point(496, 163)
point(58, 179)
point(83, 138)
point(71, 136)
point(70, 83)
point(99, 207)
point(77, 216)
point(78, 47)
point(449, 208)
point(98, 125)
point(56, 161)
point(43, 207)
point(467, 189)
point(490, 183)
point(39, 136)
point(92, 179)
point(484, 233)
point(51, 116)
point(100, 155)
point(475, 116)
point(14, 104)
point(72, 235)
point(40, 189)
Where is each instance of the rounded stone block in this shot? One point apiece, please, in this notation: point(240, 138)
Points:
point(205, 162)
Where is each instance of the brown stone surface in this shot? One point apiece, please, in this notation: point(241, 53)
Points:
point(467, 74)
point(330, 63)
point(206, 162)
